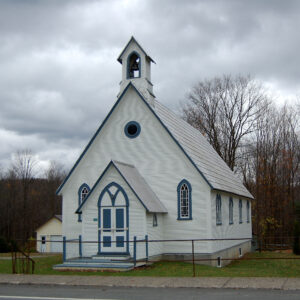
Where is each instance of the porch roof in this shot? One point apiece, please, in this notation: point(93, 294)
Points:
point(136, 183)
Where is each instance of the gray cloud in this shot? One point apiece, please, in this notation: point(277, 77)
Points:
point(58, 71)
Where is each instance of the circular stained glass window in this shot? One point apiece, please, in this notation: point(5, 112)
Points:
point(132, 129)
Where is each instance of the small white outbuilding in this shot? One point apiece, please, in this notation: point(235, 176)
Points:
point(146, 175)
point(49, 236)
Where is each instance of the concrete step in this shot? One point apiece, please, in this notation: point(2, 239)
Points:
point(116, 257)
point(100, 263)
point(74, 266)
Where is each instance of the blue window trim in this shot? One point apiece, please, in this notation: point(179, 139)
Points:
point(240, 211)
point(230, 211)
point(154, 221)
point(218, 211)
point(248, 211)
point(128, 60)
point(132, 136)
point(184, 181)
point(84, 185)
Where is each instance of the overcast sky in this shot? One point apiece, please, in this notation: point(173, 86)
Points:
point(59, 75)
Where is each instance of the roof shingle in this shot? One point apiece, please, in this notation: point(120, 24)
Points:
point(207, 160)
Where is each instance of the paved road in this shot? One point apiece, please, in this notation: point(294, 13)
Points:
point(41, 292)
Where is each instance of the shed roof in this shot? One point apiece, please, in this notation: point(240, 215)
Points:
point(140, 187)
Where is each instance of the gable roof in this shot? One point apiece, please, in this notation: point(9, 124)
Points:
point(198, 150)
point(58, 217)
point(137, 184)
point(119, 59)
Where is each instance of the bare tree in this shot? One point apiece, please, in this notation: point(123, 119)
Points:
point(54, 176)
point(225, 109)
point(24, 165)
point(55, 172)
point(271, 171)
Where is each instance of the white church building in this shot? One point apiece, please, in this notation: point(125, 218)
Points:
point(146, 176)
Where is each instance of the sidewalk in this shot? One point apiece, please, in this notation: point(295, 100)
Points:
point(170, 282)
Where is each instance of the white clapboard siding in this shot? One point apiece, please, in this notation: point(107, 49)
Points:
point(227, 231)
point(72, 249)
point(155, 233)
point(158, 159)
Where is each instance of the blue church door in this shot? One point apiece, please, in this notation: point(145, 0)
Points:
point(113, 220)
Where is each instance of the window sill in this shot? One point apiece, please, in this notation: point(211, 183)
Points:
point(184, 219)
point(219, 224)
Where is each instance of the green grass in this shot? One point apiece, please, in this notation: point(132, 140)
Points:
point(262, 267)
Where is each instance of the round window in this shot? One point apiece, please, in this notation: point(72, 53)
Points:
point(132, 129)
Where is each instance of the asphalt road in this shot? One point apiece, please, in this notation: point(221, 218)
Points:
point(40, 292)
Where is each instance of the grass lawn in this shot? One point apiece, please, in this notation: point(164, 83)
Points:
point(262, 267)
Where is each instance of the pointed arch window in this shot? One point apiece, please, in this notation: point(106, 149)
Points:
point(154, 223)
point(240, 211)
point(134, 66)
point(248, 211)
point(82, 194)
point(230, 211)
point(184, 195)
point(218, 210)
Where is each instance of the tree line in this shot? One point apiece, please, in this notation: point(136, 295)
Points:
point(28, 200)
point(259, 141)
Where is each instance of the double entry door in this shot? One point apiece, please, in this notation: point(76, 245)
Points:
point(113, 231)
point(113, 222)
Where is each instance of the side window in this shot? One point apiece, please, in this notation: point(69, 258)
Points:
point(248, 211)
point(230, 211)
point(184, 199)
point(218, 210)
point(82, 194)
point(240, 211)
point(154, 220)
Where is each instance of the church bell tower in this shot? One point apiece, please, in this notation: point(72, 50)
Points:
point(136, 68)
